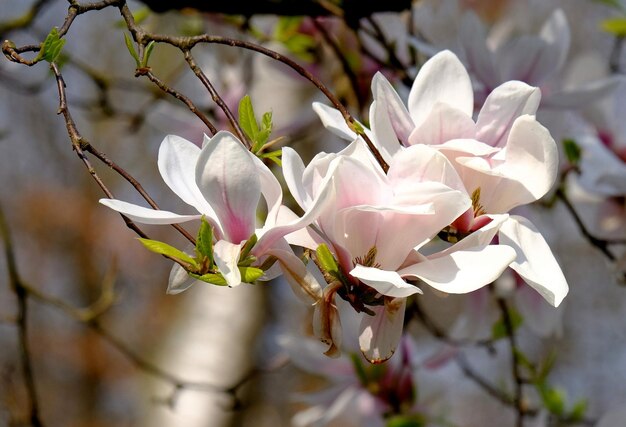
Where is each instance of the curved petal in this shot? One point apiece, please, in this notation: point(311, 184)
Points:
point(505, 104)
point(478, 57)
point(226, 258)
point(602, 172)
point(583, 94)
point(270, 188)
point(534, 260)
point(531, 148)
point(556, 34)
point(179, 280)
point(399, 117)
point(385, 137)
point(463, 271)
point(542, 319)
point(146, 215)
point(293, 171)
point(301, 280)
point(176, 162)
point(387, 283)
point(443, 123)
point(442, 79)
point(333, 121)
point(380, 334)
point(228, 180)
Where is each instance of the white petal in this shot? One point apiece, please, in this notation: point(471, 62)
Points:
point(602, 172)
point(334, 121)
point(226, 256)
point(381, 333)
point(385, 138)
point(441, 79)
point(505, 104)
point(179, 280)
point(583, 94)
point(443, 123)
point(146, 215)
point(386, 96)
point(531, 148)
point(556, 33)
point(293, 171)
point(177, 162)
point(542, 319)
point(270, 188)
point(478, 57)
point(385, 282)
point(229, 181)
point(463, 271)
point(534, 260)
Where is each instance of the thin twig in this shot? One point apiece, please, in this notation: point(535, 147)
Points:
point(22, 323)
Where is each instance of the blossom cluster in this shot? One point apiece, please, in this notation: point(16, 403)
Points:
point(430, 208)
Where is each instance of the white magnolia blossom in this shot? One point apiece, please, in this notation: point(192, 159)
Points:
point(505, 158)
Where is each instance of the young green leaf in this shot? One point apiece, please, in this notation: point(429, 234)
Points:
point(204, 241)
point(553, 399)
point(250, 274)
point(147, 53)
point(615, 26)
point(578, 411)
point(499, 329)
point(214, 279)
point(247, 120)
point(165, 249)
point(51, 47)
point(572, 150)
point(327, 260)
point(131, 49)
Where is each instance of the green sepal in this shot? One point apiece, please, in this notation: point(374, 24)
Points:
point(212, 278)
point(204, 240)
point(147, 53)
point(51, 46)
point(327, 260)
point(131, 49)
point(572, 150)
point(499, 329)
point(273, 156)
point(167, 250)
point(247, 247)
point(250, 274)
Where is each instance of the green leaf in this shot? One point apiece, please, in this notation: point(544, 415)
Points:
point(572, 151)
point(167, 250)
point(247, 120)
point(405, 421)
point(214, 279)
point(553, 399)
point(250, 274)
point(499, 328)
point(578, 411)
point(615, 26)
point(204, 241)
point(131, 49)
point(327, 260)
point(267, 120)
point(273, 156)
point(147, 53)
point(51, 46)
point(247, 247)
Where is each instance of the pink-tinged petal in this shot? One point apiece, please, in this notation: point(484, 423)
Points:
point(478, 57)
point(293, 171)
point(481, 237)
point(457, 147)
point(270, 188)
point(505, 104)
point(442, 79)
point(420, 163)
point(146, 215)
point(387, 283)
point(380, 334)
point(385, 137)
point(177, 160)
point(179, 280)
point(443, 123)
point(463, 271)
point(229, 181)
point(602, 172)
point(324, 197)
point(306, 354)
point(226, 256)
point(302, 282)
point(542, 319)
point(388, 100)
point(477, 318)
point(534, 260)
point(531, 148)
point(305, 237)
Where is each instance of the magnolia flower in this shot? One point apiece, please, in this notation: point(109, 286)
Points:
point(373, 227)
point(224, 182)
point(538, 60)
point(358, 395)
point(505, 158)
